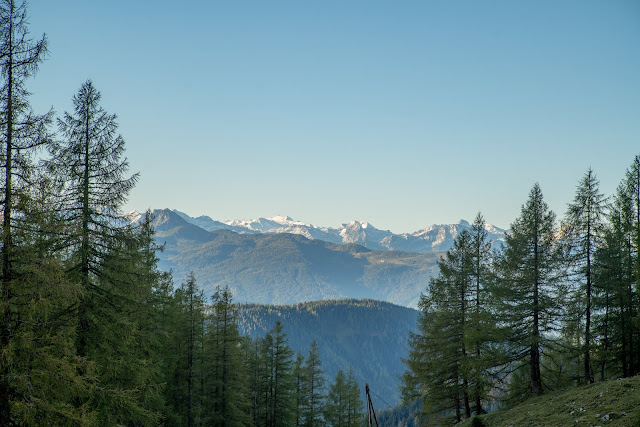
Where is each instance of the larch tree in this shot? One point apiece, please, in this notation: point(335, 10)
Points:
point(281, 377)
point(104, 255)
point(90, 165)
point(610, 298)
point(439, 362)
point(275, 385)
point(632, 185)
point(529, 291)
point(482, 329)
point(226, 379)
point(354, 401)
point(343, 405)
point(21, 133)
point(300, 385)
point(315, 387)
point(584, 227)
point(335, 409)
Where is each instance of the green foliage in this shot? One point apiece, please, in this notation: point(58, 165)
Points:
point(584, 230)
point(564, 303)
point(529, 289)
point(343, 407)
point(448, 362)
point(226, 380)
point(314, 390)
point(403, 415)
point(368, 335)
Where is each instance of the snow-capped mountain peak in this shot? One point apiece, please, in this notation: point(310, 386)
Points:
point(133, 216)
point(435, 238)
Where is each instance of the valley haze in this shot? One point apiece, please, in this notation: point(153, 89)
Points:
point(279, 260)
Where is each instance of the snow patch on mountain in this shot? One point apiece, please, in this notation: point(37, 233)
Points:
point(435, 238)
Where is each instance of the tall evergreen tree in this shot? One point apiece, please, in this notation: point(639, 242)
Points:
point(227, 381)
point(610, 299)
point(584, 228)
point(22, 132)
point(343, 406)
point(354, 401)
point(441, 363)
point(89, 162)
point(529, 290)
point(104, 255)
point(632, 184)
point(194, 316)
point(335, 409)
point(46, 375)
point(482, 330)
point(300, 386)
point(618, 263)
point(275, 385)
point(315, 387)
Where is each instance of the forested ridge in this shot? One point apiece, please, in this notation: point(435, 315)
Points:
point(557, 306)
point(369, 335)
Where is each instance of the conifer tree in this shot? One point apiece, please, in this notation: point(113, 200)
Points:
point(22, 132)
point(282, 380)
point(335, 409)
point(343, 406)
point(226, 378)
point(315, 387)
point(584, 228)
point(632, 186)
point(252, 357)
point(616, 264)
point(439, 365)
point(106, 255)
point(482, 328)
point(300, 386)
point(609, 307)
point(194, 315)
point(354, 401)
point(275, 385)
point(529, 290)
point(152, 300)
point(89, 162)
point(46, 375)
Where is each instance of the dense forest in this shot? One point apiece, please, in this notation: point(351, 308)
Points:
point(555, 307)
point(91, 331)
point(371, 336)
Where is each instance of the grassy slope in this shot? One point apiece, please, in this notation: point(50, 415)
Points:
point(609, 403)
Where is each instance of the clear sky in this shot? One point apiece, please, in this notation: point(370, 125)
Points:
point(400, 113)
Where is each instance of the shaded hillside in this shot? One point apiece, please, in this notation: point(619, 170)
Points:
point(369, 335)
point(609, 403)
point(289, 268)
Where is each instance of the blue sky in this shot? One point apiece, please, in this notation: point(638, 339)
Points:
point(403, 113)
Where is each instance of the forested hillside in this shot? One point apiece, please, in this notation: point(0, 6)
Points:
point(288, 268)
point(369, 335)
point(558, 305)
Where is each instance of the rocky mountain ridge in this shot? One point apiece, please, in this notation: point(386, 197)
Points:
point(435, 238)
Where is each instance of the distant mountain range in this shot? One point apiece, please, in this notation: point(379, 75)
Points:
point(282, 261)
point(436, 238)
